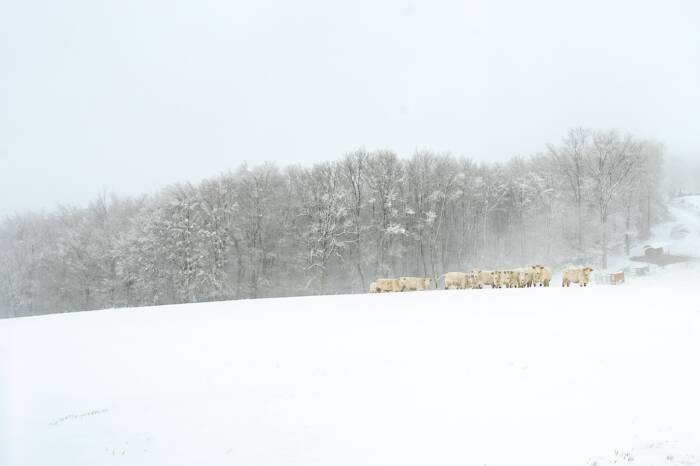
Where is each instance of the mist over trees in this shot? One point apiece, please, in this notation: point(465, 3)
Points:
point(267, 231)
point(682, 175)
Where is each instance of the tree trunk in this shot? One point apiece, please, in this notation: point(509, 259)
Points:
point(358, 255)
point(628, 239)
point(422, 255)
point(579, 232)
point(604, 258)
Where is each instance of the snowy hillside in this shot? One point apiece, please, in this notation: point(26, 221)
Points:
point(594, 376)
point(499, 377)
point(692, 202)
point(683, 233)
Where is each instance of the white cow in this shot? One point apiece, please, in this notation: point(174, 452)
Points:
point(497, 278)
point(546, 275)
point(486, 277)
point(541, 275)
point(473, 279)
point(525, 277)
point(582, 276)
point(414, 283)
point(509, 278)
point(387, 285)
point(455, 280)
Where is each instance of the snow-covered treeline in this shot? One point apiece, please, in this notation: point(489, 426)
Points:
point(267, 231)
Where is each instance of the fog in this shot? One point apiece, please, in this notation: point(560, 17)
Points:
point(682, 175)
point(130, 96)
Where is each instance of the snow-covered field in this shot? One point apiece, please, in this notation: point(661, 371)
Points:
point(595, 376)
point(539, 376)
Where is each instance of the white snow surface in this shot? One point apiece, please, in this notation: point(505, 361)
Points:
point(498, 377)
point(544, 376)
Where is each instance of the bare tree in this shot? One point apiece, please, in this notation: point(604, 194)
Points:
point(354, 166)
point(611, 164)
point(324, 213)
point(571, 161)
point(384, 177)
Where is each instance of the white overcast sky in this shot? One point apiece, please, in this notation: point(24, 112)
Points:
point(130, 95)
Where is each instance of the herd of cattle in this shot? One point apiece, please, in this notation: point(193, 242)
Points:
point(537, 275)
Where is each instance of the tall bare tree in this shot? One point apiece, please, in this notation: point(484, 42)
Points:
point(611, 164)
